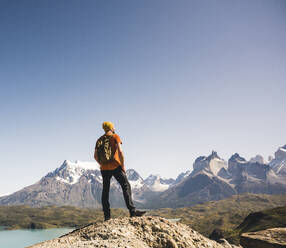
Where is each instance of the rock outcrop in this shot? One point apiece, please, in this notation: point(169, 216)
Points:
point(140, 232)
point(278, 164)
point(270, 238)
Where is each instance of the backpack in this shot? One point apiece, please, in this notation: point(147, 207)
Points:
point(104, 151)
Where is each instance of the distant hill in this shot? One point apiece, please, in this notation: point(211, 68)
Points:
point(224, 215)
point(26, 217)
point(262, 220)
point(258, 221)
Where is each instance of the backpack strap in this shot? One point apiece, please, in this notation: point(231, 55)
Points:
point(111, 136)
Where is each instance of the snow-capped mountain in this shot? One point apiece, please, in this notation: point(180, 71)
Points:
point(80, 184)
point(209, 180)
point(254, 177)
point(77, 184)
point(135, 180)
point(211, 165)
point(213, 178)
point(139, 188)
point(70, 173)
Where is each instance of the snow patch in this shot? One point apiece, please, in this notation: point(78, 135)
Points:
point(158, 187)
point(5, 194)
point(70, 172)
point(278, 165)
point(138, 184)
point(216, 164)
point(156, 183)
point(83, 165)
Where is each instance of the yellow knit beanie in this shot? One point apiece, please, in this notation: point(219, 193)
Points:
point(107, 125)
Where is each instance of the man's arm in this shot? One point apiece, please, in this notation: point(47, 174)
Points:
point(121, 156)
point(95, 156)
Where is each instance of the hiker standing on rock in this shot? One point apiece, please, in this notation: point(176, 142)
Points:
point(108, 153)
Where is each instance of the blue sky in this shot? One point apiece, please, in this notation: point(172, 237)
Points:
point(178, 78)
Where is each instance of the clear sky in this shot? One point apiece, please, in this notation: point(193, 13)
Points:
point(178, 78)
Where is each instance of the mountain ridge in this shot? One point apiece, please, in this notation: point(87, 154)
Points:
point(212, 178)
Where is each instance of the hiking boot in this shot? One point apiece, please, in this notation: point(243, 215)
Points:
point(107, 218)
point(107, 215)
point(137, 213)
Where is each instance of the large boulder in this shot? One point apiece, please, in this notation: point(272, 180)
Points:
point(141, 232)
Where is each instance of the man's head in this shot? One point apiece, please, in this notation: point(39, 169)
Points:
point(108, 126)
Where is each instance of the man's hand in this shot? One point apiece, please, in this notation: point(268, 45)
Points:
point(123, 169)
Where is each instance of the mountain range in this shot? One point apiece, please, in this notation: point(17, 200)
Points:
point(212, 178)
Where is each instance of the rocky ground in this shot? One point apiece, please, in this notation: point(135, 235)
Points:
point(141, 232)
point(270, 238)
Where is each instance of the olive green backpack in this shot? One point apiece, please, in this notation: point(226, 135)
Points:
point(104, 151)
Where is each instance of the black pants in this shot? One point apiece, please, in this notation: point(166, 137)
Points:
point(121, 178)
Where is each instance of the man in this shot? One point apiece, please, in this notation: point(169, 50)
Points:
point(108, 153)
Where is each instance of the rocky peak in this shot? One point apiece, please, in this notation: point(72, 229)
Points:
point(78, 166)
point(280, 153)
point(213, 155)
point(133, 175)
point(138, 232)
point(278, 164)
point(257, 159)
point(168, 181)
point(182, 176)
point(151, 179)
point(236, 164)
point(270, 158)
point(237, 158)
point(200, 158)
point(211, 164)
point(135, 180)
point(70, 172)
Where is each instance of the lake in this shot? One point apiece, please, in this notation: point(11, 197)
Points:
point(26, 237)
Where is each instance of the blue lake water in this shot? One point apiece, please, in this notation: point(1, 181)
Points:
point(26, 237)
